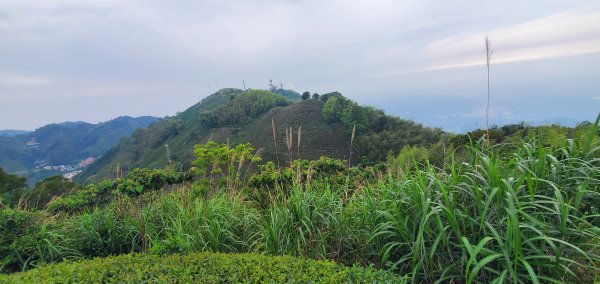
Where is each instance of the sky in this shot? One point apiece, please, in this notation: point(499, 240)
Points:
point(94, 60)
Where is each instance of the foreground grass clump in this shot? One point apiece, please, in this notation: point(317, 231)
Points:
point(200, 268)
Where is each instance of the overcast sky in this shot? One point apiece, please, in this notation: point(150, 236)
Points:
point(424, 60)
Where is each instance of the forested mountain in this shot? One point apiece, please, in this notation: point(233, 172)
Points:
point(38, 154)
point(233, 116)
point(12, 132)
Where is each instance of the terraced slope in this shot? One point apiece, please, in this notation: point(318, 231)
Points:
point(234, 116)
point(318, 138)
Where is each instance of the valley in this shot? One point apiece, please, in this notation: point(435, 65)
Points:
point(63, 148)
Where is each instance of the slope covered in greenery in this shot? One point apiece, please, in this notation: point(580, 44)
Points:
point(63, 144)
point(289, 94)
point(525, 212)
point(12, 132)
point(234, 116)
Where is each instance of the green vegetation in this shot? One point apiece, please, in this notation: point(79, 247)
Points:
point(377, 134)
point(12, 133)
point(46, 191)
point(549, 135)
point(288, 94)
point(11, 187)
point(146, 147)
point(423, 205)
point(236, 117)
point(137, 182)
point(242, 108)
point(502, 213)
point(201, 268)
point(63, 144)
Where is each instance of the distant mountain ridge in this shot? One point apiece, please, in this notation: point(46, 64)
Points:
point(12, 132)
point(38, 153)
point(235, 116)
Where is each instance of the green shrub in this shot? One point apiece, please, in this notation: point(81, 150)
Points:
point(47, 190)
point(14, 224)
point(101, 233)
point(318, 174)
point(92, 194)
point(137, 182)
point(28, 239)
point(242, 108)
point(11, 187)
point(200, 268)
point(140, 180)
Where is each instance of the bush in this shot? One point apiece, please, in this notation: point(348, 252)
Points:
point(11, 187)
point(28, 239)
point(201, 268)
point(137, 182)
point(14, 224)
point(242, 108)
point(47, 190)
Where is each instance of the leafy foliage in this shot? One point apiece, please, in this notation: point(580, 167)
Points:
point(47, 190)
point(243, 107)
point(325, 172)
point(510, 213)
point(235, 116)
point(64, 144)
point(137, 182)
point(377, 134)
point(527, 216)
point(201, 267)
point(27, 240)
point(289, 94)
point(407, 159)
point(550, 135)
point(214, 160)
point(11, 187)
point(305, 96)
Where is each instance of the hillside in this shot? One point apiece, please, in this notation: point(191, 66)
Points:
point(59, 148)
point(235, 116)
point(289, 94)
point(12, 132)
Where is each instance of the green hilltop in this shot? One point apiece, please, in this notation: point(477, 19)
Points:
point(235, 116)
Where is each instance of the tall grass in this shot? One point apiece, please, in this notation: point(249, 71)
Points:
point(502, 215)
point(529, 218)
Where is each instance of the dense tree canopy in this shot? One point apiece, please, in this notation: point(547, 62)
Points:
point(305, 96)
point(47, 190)
point(11, 187)
point(376, 133)
point(243, 108)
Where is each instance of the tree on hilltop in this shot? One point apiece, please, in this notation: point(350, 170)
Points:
point(305, 96)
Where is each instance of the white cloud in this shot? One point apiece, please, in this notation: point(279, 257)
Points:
point(102, 49)
point(567, 33)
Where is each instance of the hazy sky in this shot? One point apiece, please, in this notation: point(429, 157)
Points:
point(95, 60)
